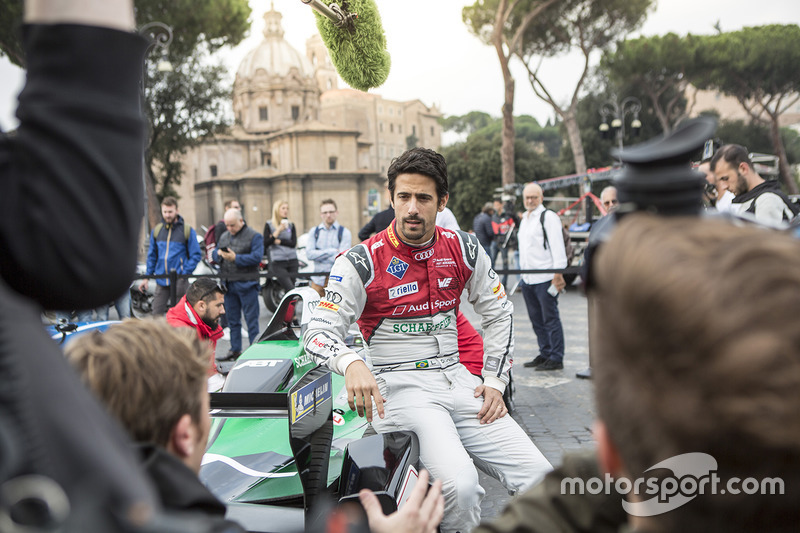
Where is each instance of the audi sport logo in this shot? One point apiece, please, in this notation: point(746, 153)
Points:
point(422, 256)
point(333, 297)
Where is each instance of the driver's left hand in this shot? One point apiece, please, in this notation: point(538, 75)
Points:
point(493, 405)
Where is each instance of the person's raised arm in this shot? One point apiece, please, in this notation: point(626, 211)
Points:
point(73, 172)
point(115, 14)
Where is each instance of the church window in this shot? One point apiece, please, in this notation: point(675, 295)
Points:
point(413, 129)
point(266, 158)
point(295, 112)
point(380, 126)
point(213, 169)
point(332, 163)
point(263, 114)
point(399, 128)
point(431, 131)
point(391, 128)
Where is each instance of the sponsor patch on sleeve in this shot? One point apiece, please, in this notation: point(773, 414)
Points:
point(336, 278)
point(492, 364)
point(328, 305)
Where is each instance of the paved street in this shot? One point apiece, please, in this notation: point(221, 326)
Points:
point(555, 408)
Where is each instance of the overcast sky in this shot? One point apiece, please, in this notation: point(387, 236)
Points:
point(437, 60)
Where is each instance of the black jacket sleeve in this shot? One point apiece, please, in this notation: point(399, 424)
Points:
point(72, 174)
point(293, 239)
point(367, 230)
point(269, 238)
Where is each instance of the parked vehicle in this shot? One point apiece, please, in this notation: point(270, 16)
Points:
point(278, 410)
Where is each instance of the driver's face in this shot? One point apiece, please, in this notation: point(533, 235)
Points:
point(415, 205)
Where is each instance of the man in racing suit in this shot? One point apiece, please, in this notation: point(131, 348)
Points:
point(403, 286)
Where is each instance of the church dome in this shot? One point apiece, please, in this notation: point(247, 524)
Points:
point(274, 55)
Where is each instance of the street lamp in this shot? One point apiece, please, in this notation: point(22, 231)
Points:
point(158, 35)
point(629, 106)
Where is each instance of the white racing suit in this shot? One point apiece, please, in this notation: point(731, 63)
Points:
point(405, 300)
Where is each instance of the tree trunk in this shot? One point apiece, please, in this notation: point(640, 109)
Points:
point(574, 135)
point(783, 161)
point(507, 148)
point(153, 209)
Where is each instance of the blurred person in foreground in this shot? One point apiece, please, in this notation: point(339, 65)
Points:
point(76, 160)
point(700, 381)
point(152, 378)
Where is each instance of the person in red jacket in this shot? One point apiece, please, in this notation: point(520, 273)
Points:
point(201, 309)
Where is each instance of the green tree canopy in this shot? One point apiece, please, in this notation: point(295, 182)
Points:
point(185, 105)
point(758, 67)
point(10, 25)
point(474, 169)
point(584, 25)
point(660, 67)
point(501, 24)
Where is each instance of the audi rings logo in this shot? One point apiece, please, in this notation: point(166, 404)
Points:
point(333, 297)
point(422, 256)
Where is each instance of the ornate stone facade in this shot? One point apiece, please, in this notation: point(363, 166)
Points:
point(298, 138)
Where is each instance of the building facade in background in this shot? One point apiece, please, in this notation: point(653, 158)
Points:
point(298, 137)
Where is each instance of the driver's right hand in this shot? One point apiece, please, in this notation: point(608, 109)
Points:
point(362, 389)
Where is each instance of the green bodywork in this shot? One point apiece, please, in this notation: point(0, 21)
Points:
point(241, 438)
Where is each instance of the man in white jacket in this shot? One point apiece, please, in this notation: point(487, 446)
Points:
point(541, 247)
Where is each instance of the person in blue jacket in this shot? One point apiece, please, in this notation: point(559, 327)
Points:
point(173, 244)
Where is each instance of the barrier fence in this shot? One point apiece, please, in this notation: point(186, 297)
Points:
point(173, 277)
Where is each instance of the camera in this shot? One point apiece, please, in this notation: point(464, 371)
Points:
point(710, 190)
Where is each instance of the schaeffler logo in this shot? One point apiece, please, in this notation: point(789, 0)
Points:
point(693, 474)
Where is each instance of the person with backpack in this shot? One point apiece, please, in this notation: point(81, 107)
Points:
point(763, 199)
point(325, 242)
point(280, 240)
point(541, 247)
point(215, 232)
point(173, 245)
